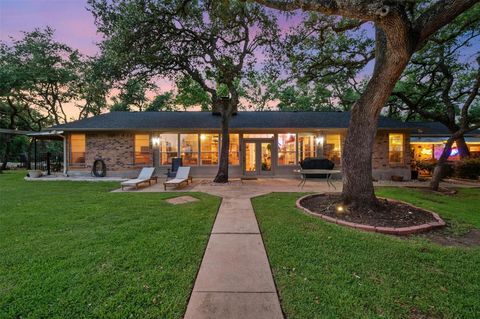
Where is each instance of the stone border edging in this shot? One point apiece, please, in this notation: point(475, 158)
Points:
point(383, 230)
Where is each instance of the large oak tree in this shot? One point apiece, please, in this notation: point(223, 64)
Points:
point(212, 43)
point(401, 29)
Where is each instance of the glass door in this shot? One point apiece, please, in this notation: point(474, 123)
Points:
point(266, 157)
point(250, 162)
point(257, 157)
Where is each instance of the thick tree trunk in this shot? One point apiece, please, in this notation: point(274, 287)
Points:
point(6, 154)
point(462, 147)
point(438, 170)
point(222, 174)
point(391, 58)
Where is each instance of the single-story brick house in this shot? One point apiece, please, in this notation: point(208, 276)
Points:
point(262, 143)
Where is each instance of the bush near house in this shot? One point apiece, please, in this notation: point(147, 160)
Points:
point(428, 167)
point(468, 168)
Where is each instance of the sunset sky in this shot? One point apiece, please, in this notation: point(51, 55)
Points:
point(74, 24)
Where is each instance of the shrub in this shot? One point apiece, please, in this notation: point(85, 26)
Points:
point(468, 168)
point(429, 166)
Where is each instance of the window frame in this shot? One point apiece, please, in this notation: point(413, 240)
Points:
point(401, 162)
point(295, 151)
point(150, 160)
point(84, 163)
point(197, 152)
point(160, 153)
point(201, 152)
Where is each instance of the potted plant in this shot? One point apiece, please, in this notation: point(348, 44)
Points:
point(35, 173)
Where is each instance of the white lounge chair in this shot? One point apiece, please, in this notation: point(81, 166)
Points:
point(183, 175)
point(145, 176)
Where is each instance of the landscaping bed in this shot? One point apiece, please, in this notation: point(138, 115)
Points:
point(390, 216)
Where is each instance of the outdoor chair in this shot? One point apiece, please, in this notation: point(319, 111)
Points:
point(176, 163)
point(145, 176)
point(182, 176)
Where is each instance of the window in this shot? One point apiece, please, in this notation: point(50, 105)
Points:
point(168, 148)
point(142, 149)
point(268, 135)
point(332, 148)
point(189, 147)
point(395, 149)
point(287, 149)
point(209, 149)
point(307, 146)
point(234, 150)
point(77, 149)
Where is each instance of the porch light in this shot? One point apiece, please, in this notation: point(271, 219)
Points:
point(155, 141)
point(319, 139)
point(202, 137)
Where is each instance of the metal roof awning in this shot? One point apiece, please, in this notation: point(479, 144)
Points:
point(47, 135)
point(52, 135)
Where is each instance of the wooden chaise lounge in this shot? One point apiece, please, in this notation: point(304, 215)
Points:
point(145, 176)
point(183, 176)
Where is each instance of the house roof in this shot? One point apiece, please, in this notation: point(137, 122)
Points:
point(435, 129)
point(205, 120)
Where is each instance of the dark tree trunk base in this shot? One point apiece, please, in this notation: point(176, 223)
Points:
point(221, 178)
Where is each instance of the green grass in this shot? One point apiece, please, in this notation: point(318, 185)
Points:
point(75, 250)
point(462, 211)
point(326, 271)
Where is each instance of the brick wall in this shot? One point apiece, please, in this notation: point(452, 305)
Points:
point(116, 149)
point(380, 152)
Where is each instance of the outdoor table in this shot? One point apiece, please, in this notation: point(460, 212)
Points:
point(327, 172)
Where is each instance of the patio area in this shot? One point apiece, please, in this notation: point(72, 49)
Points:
point(261, 186)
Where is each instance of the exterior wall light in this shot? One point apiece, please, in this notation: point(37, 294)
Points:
point(319, 139)
point(155, 141)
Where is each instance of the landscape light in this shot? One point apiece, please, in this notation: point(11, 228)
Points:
point(340, 209)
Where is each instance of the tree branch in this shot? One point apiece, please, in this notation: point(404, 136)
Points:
point(437, 16)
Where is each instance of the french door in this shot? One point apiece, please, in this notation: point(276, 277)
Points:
point(257, 157)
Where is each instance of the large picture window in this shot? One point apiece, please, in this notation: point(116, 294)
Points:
point(332, 148)
point(395, 149)
point(142, 149)
point(189, 148)
point(77, 149)
point(307, 146)
point(287, 149)
point(234, 150)
point(168, 148)
point(209, 149)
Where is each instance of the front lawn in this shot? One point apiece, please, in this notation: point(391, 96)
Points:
point(327, 271)
point(75, 250)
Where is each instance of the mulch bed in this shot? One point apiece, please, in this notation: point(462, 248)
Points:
point(388, 214)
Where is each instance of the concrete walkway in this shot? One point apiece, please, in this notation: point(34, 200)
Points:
point(234, 280)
